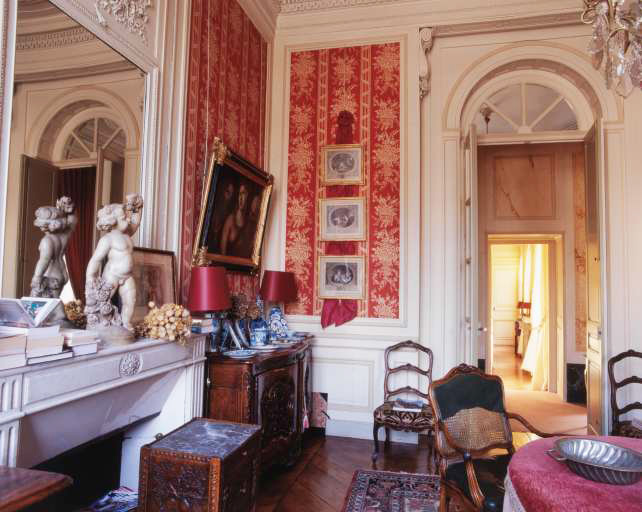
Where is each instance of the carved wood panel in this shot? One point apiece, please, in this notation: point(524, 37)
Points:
point(277, 389)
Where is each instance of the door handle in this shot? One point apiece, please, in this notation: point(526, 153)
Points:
point(482, 329)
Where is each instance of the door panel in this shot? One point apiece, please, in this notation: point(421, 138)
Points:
point(594, 162)
point(471, 253)
point(39, 188)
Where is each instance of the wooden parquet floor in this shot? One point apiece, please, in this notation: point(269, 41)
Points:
point(318, 482)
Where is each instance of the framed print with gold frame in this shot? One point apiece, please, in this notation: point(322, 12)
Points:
point(233, 213)
point(155, 276)
point(341, 277)
point(343, 218)
point(342, 164)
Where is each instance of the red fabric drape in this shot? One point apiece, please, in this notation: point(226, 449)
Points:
point(80, 185)
point(341, 311)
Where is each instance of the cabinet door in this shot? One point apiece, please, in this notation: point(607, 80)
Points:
point(278, 411)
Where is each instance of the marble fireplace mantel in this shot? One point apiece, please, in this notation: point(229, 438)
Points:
point(49, 408)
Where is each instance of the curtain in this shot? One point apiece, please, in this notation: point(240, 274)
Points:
point(536, 275)
point(80, 185)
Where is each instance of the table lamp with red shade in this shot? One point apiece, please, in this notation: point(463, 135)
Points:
point(209, 294)
point(278, 287)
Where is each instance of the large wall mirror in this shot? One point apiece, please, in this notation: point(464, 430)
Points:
point(76, 130)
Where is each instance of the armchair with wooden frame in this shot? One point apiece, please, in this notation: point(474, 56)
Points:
point(623, 428)
point(471, 420)
point(393, 415)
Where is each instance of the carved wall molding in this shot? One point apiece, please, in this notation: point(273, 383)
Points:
point(292, 6)
point(54, 39)
point(130, 13)
point(130, 364)
point(425, 43)
point(523, 23)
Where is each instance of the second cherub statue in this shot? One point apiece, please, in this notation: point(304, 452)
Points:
point(110, 270)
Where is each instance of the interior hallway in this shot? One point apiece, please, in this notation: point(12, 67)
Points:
point(546, 411)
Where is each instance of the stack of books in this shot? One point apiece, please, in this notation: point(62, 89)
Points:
point(203, 325)
point(25, 336)
point(81, 342)
point(13, 350)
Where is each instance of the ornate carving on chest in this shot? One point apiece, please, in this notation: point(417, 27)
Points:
point(178, 486)
point(277, 408)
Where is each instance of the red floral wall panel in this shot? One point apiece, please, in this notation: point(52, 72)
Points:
point(225, 98)
point(365, 81)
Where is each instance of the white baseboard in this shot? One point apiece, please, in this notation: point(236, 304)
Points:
point(363, 430)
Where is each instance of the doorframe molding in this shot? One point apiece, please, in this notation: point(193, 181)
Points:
point(445, 190)
point(558, 376)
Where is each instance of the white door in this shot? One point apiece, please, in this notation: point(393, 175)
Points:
point(594, 169)
point(471, 252)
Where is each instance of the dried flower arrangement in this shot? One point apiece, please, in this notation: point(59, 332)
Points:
point(169, 322)
point(74, 311)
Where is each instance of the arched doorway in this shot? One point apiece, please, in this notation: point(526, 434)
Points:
point(569, 76)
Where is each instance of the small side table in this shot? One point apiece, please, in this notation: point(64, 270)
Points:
point(203, 466)
point(20, 488)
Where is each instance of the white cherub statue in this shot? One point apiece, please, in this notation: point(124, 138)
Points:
point(58, 223)
point(119, 222)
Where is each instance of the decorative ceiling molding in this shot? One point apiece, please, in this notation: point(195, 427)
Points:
point(55, 39)
point(523, 23)
point(292, 6)
point(80, 72)
point(130, 13)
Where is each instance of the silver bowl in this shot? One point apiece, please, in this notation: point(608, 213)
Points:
point(598, 461)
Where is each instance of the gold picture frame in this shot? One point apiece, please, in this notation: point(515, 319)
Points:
point(343, 219)
point(155, 276)
point(341, 277)
point(234, 211)
point(342, 164)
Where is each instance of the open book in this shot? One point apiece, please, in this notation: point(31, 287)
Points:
point(29, 312)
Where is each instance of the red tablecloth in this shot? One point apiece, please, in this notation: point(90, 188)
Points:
point(537, 483)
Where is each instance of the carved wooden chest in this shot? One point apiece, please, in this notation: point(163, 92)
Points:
point(271, 389)
point(203, 466)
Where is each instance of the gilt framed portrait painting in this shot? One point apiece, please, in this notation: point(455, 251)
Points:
point(233, 213)
point(341, 277)
point(343, 218)
point(342, 164)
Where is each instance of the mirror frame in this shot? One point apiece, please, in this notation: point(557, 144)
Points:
point(163, 58)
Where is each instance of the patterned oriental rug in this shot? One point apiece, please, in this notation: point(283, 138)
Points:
point(383, 491)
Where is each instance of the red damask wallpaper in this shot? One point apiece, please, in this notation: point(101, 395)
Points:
point(225, 98)
point(364, 80)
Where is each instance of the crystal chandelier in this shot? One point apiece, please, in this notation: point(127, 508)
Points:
point(616, 41)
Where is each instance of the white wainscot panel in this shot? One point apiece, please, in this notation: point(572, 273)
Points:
point(352, 373)
point(348, 383)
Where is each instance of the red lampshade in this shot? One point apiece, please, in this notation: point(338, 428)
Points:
point(278, 286)
point(208, 290)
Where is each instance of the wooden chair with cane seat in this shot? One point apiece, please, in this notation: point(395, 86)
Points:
point(402, 415)
point(471, 420)
point(623, 428)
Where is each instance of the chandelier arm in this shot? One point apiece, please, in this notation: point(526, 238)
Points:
point(615, 32)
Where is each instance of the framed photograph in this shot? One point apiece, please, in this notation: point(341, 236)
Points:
point(343, 218)
point(342, 165)
point(341, 277)
point(154, 273)
point(233, 213)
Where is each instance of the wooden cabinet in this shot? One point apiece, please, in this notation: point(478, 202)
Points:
point(203, 466)
point(270, 389)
